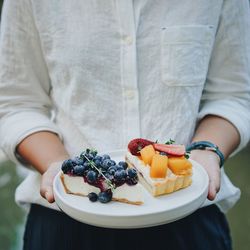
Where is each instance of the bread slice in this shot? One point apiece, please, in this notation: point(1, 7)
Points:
point(159, 186)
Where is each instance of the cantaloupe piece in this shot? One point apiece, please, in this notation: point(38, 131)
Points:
point(179, 165)
point(147, 154)
point(159, 166)
point(139, 157)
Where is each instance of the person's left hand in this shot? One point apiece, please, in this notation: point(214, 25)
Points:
point(46, 189)
point(211, 162)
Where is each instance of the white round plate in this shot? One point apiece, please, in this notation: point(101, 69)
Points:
point(154, 211)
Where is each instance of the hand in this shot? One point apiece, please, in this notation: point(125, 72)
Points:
point(211, 162)
point(46, 189)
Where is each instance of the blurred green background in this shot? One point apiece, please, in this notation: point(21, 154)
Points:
point(12, 217)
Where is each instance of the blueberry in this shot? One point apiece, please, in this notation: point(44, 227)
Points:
point(120, 175)
point(113, 163)
point(79, 170)
point(163, 153)
point(112, 170)
point(91, 176)
point(132, 181)
point(109, 176)
point(116, 167)
point(132, 177)
point(132, 172)
point(123, 164)
point(93, 197)
point(98, 163)
point(106, 164)
point(105, 197)
point(119, 167)
point(85, 153)
point(67, 166)
point(124, 173)
point(98, 157)
point(104, 157)
point(78, 161)
point(86, 165)
point(88, 153)
point(90, 156)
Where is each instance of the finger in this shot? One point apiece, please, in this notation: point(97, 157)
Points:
point(46, 192)
point(214, 183)
point(46, 189)
point(49, 195)
point(211, 191)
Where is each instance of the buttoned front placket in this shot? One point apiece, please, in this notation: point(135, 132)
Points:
point(131, 119)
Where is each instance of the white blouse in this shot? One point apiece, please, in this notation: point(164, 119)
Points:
point(113, 70)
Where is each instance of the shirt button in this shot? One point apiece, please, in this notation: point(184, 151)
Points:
point(128, 40)
point(130, 94)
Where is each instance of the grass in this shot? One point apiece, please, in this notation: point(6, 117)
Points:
point(239, 216)
point(12, 217)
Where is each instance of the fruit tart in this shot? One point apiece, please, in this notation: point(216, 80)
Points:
point(162, 168)
point(101, 179)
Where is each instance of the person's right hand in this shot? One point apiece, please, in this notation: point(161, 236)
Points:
point(211, 162)
point(46, 189)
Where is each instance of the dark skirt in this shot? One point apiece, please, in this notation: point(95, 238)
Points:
point(205, 229)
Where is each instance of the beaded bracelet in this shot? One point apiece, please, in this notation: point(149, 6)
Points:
point(206, 145)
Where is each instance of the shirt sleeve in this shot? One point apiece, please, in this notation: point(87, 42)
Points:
point(227, 88)
point(25, 104)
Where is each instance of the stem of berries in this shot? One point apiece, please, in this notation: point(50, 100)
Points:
point(187, 154)
point(169, 142)
point(92, 164)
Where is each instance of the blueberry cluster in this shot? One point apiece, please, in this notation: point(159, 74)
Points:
point(96, 168)
point(103, 197)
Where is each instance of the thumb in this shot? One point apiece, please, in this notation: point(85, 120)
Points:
point(49, 195)
point(46, 188)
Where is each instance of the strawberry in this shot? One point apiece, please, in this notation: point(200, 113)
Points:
point(138, 144)
point(172, 149)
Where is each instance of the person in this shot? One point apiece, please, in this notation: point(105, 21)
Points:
point(95, 74)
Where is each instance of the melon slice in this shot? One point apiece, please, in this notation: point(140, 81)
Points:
point(147, 154)
point(159, 166)
point(179, 165)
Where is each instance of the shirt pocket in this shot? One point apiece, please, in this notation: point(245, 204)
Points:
point(185, 52)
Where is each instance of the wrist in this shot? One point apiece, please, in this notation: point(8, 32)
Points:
point(207, 146)
point(53, 163)
point(206, 154)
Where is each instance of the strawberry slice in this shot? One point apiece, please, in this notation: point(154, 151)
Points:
point(138, 144)
point(172, 149)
